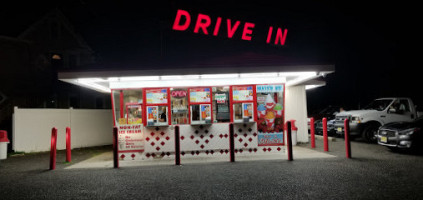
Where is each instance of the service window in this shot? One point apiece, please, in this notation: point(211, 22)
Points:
point(127, 106)
point(221, 111)
point(243, 104)
point(179, 105)
point(200, 105)
point(157, 107)
point(157, 115)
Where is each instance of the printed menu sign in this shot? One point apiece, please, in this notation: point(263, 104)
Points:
point(220, 98)
point(242, 93)
point(130, 138)
point(199, 95)
point(157, 96)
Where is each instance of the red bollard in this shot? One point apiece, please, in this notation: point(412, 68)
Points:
point(347, 138)
point(289, 140)
point(312, 136)
point(325, 134)
point(53, 148)
point(115, 148)
point(177, 147)
point(232, 142)
point(68, 144)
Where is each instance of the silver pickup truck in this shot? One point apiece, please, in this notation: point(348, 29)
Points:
point(366, 122)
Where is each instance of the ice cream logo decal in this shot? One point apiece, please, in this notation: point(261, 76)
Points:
point(270, 122)
point(204, 24)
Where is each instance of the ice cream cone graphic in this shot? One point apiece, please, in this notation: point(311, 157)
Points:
point(270, 120)
point(278, 110)
point(261, 111)
point(270, 103)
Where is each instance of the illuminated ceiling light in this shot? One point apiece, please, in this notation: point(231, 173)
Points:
point(256, 75)
point(303, 76)
point(297, 74)
point(140, 78)
point(211, 76)
point(113, 79)
point(309, 87)
point(93, 85)
point(180, 77)
point(91, 80)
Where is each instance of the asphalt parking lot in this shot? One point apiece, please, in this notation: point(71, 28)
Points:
point(374, 173)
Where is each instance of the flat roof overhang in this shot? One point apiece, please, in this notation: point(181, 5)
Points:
point(106, 80)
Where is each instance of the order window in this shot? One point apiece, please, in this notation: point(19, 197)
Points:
point(200, 105)
point(221, 104)
point(179, 105)
point(157, 107)
point(243, 104)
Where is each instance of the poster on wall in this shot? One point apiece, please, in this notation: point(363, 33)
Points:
point(152, 112)
point(270, 122)
point(130, 138)
point(199, 95)
point(157, 96)
point(220, 98)
point(205, 112)
point(242, 93)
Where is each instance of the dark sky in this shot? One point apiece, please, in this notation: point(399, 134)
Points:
point(369, 43)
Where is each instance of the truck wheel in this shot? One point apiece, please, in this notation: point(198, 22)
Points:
point(370, 133)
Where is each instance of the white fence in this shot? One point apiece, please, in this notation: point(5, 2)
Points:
point(32, 128)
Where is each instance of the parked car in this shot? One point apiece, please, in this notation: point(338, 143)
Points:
point(329, 113)
point(318, 125)
point(366, 122)
point(402, 135)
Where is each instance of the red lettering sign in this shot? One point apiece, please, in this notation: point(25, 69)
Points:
point(178, 93)
point(204, 22)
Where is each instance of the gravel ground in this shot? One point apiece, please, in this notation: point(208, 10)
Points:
point(374, 173)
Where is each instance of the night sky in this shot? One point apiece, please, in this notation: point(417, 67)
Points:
point(370, 44)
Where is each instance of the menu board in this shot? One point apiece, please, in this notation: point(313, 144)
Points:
point(130, 138)
point(157, 96)
point(199, 95)
point(244, 93)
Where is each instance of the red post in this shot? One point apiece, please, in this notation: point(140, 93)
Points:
point(115, 148)
point(177, 147)
point(289, 140)
point(312, 132)
point(53, 148)
point(347, 138)
point(325, 134)
point(232, 142)
point(68, 144)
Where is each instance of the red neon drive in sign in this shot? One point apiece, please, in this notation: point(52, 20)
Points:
point(204, 25)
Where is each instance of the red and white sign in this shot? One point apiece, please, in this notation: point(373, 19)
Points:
point(130, 138)
point(178, 93)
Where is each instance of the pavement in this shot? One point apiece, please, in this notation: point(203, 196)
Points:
point(374, 172)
